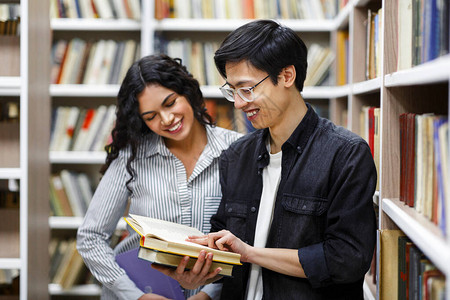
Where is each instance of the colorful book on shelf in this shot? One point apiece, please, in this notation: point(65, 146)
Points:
point(148, 279)
point(171, 237)
point(410, 154)
point(402, 277)
point(389, 263)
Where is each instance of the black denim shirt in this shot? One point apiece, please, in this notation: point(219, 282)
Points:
point(323, 208)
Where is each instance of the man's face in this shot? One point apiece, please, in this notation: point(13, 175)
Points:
point(266, 110)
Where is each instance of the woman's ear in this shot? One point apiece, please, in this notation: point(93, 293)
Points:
point(288, 76)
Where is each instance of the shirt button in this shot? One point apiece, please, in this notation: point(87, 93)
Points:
point(253, 209)
point(299, 148)
point(304, 207)
point(230, 209)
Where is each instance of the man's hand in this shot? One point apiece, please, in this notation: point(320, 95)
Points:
point(199, 274)
point(225, 241)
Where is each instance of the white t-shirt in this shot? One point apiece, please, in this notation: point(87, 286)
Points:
point(271, 180)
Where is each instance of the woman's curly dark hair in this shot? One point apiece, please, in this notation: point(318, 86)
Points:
point(129, 128)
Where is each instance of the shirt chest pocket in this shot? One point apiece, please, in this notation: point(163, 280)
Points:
point(306, 217)
point(304, 205)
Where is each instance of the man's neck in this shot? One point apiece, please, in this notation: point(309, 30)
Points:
point(280, 133)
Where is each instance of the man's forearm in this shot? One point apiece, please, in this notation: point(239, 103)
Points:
point(284, 261)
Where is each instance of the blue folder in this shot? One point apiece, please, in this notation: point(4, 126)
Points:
point(148, 279)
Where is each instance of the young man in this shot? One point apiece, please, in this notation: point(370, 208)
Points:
point(297, 193)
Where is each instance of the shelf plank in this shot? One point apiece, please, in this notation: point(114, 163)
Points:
point(325, 92)
point(9, 86)
point(77, 157)
point(79, 290)
point(228, 25)
point(435, 71)
point(10, 263)
point(368, 86)
point(74, 223)
point(67, 24)
point(84, 90)
point(10, 173)
point(421, 231)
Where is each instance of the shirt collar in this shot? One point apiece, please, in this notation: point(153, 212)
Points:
point(298, 139)
point(216, 143)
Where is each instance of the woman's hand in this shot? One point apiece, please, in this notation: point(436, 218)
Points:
point(199, 274)
point(225, 241)
point(200, 296)
point(152, 297)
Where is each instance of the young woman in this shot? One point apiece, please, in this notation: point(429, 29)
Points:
point(163, 159)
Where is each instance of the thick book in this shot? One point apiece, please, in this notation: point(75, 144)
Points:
point(148, 279)
point(171, 237)
point(173, 260)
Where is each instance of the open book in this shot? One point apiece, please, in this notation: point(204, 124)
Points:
point(169, 237)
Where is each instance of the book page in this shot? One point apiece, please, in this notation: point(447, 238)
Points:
point(166, 230)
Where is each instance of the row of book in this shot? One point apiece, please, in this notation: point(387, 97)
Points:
point(248, 9)
point(67, 268)
point(66, 265)
point(9, 19)
point(226, 116)
point(423, 31)
point(418, 277)
point(424, 169)
point(405, 272)
point(70, 193)
point(90, 9)
point(92, 62)
point(319, 60)
point(198, 57)
point(81, 129)
point(373, 43)
point(370, 130)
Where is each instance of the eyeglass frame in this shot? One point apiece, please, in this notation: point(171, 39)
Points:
point(236, 91)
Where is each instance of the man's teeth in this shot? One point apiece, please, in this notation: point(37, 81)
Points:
point(251, 113)
point(178, 125)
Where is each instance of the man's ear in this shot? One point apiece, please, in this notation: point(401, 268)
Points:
point(288, 76)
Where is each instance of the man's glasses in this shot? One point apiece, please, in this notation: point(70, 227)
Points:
point(246, 93)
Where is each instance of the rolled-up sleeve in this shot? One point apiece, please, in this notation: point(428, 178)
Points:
point(349, 240)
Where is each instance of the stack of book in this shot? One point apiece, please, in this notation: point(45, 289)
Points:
point(164, 242)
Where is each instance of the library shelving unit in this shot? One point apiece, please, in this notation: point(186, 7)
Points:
point(144, 30)
point(25, 165)
point(420, 89)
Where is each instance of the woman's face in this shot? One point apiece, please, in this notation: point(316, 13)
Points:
point(166, 113)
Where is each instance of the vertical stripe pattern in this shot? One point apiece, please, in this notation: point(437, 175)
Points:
point(159, 190)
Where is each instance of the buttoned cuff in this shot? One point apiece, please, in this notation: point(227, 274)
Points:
point(312, 259)
point(124, 288)
point(213, 290)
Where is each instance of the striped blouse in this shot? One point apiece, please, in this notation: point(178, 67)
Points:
point(159, 190)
